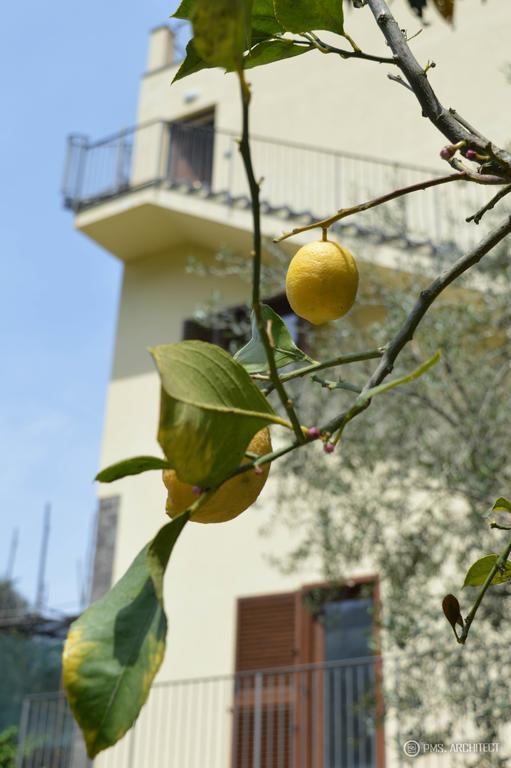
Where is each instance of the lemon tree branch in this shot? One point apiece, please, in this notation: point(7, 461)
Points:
point(253, 184)
point(445, 120)
point(343, 213)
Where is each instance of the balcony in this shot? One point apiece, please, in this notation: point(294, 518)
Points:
point(300, 184)
point(356, 713)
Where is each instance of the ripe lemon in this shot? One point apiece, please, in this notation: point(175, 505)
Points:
point(232, 498)
point(322, 282)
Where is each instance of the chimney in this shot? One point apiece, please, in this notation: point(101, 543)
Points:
point(161, 48)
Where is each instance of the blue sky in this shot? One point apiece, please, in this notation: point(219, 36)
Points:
point(66, 67)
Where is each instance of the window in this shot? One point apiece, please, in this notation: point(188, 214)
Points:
point(191, 148)
point(308, 690)
point(231, 329)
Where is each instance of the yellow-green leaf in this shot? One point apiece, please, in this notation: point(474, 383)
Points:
point(253, 355)
point(306, 16)
point(114, 650)
point(134, 466)
point(222, 31)
point(479, 571)
point(210, 410)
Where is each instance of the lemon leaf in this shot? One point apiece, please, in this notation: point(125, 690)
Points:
point(128, 467)
point(270, 51)
point(184, 10)
point(478, 572)
point(304, 16)
point(210, 410)
point(222, 31)
point(264, 21)
point(253, 356)
point(501, 505)
point(114, 650)
point(191, 63)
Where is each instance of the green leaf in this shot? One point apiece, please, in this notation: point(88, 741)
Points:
point(210, 410)
point(501, 505)
point(273, 50)
point(222, 31)
point(264, 21)
point(420, 371)
point(479, 571)
point(253, 356)
point(114, 650)
point(184, 10)
point(134, 466)
point(191, 63)
point(306, 16)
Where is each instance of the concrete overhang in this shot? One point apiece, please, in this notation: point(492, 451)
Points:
point(151, 221)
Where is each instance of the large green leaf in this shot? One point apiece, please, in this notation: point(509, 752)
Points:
point(264, 21)
point(479, 571)
point(128, 467)
point(306, 16)
point(210, 410)
point(191, 63)
point(273, 50)
point(114, 650)
point(253, 356)
point(222, 31)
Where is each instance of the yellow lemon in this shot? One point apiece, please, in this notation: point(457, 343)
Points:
point(322, 282)
point(232, 498)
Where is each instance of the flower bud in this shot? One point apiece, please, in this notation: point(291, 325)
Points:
point(197, 490)
point(447, 152)
point(329, 447)
point(471, 154)
point(313, 433)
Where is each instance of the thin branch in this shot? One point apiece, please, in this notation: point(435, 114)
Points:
point(425, 300)
point(476, 218)
point(323, 47)
point(257, 256)
point(399, 79)
point(356, 357)
point(497, 566)
point(344, 212)
point(443, 119)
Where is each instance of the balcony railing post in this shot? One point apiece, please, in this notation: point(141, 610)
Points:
point(22, 737)
point(121, 147)
point(258, 696)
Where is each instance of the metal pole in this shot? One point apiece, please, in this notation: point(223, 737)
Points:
point(41, 587)
point(256, 755)
point(25, 714)
point(12, 555)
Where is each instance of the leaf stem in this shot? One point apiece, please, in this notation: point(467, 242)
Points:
point(499, 563)
point(356, 357)
point(254, 187)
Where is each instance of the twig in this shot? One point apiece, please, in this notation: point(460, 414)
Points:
point(476, 218)
point(323, 47)
point(336, 384)
point(499, 563)
point(442, 118)
point(421, 306)
point(344, 212)
point(257, 255)
point(399, 79)
point(461, 120)
point(356, 357)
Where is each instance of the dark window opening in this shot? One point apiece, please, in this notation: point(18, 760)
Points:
point(191, 147)
point(230, 329)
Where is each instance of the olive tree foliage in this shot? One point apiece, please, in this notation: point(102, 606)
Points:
point(213, 403)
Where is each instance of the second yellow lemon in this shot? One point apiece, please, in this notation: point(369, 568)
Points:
point(232, 498)
point(322, 282)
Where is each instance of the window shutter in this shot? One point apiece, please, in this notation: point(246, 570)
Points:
point(266, 632)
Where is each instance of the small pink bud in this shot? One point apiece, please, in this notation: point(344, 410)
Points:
point(197, 490)
point(258, 470)
point(313, 433)
point(329, 447)
point(471, 154)
point(447, 152)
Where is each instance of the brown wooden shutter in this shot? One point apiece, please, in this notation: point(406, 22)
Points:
point(266, 632)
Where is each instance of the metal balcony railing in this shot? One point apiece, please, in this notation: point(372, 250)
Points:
point(300, 183)
point(359, 713)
